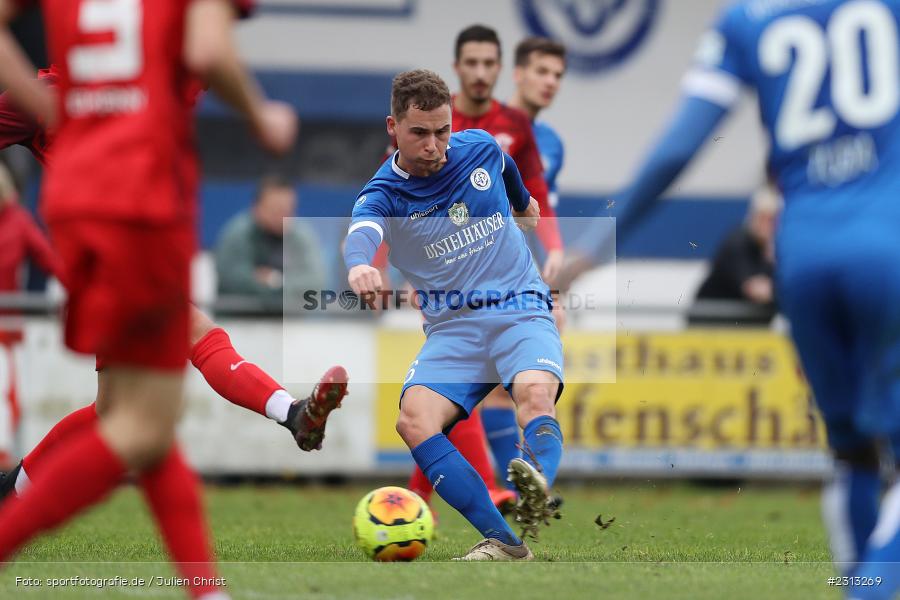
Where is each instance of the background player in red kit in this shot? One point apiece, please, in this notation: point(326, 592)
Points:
point(212, 352)
point(119, 200)
point(20, 239)
point(477, 64)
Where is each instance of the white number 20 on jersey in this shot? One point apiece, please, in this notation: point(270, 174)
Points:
point(118, 60)
point(857, 23)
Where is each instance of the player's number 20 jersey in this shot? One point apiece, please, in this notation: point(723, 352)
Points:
point(828, 77)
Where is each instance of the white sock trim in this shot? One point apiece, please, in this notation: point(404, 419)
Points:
point(888, 518)
point(836, 514)
point(22, 481)
point(278, 404)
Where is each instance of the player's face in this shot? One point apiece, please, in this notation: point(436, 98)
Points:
point(478, 68)
point(422, 138)
point(275, 204)
point(539, 80)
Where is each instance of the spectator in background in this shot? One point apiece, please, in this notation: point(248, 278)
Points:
point(260, 255)
point(20, 239)
point(744, 266)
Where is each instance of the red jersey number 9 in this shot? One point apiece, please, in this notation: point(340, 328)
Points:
point(118, 60)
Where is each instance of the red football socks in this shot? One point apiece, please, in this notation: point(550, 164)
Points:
point(71, 478)
point(173, 494)
point(67, 426)
point(238, 381)
point(468, 437)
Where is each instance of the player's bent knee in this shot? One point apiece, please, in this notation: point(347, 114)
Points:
point(414, 429)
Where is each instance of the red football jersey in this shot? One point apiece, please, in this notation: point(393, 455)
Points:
point(512, 130)
point(21, 238)
point(16, 127)
point(124, 148)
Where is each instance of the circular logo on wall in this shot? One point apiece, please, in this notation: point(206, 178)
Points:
point(480, 179)
point(598, 34)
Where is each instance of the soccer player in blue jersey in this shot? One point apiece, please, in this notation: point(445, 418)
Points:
point(827, 75)
point(442, 202)
point(540, 64)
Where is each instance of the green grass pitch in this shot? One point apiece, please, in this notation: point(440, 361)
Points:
point(669, 541)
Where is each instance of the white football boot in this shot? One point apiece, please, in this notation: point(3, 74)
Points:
point(491, 549)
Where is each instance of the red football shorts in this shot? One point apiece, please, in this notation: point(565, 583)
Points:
point(129, 290)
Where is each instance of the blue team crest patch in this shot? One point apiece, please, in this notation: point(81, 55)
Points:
point(480, 179)
point(459, 214)
point(598, 34)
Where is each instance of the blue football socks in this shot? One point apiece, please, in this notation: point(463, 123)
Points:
point(850, 510)
point(502, 433)
point(461, 487)
point(543, 446)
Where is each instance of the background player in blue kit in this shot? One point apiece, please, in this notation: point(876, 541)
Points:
point(827, 74)
point(540, 64)
point(442, 202)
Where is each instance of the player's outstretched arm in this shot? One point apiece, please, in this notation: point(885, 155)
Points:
point(363, 240)
point(17, 74)
point(210, 52)
point(694, 122)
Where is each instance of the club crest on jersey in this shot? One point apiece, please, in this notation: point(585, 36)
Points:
point(459, 213)
point(480, 179)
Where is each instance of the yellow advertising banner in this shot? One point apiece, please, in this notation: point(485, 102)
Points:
point(703, 390)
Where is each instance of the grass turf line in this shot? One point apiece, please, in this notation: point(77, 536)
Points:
point(667, 541)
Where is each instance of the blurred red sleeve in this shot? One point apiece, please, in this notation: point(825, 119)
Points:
point(40, 250)
point(529, 162)
point(380, 261)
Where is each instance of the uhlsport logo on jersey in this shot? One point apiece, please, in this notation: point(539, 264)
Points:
point(361, 201)
point(459, 213)
point(480, 179)
point(598, 34)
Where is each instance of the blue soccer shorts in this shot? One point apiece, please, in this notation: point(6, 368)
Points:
point(464, 358)
point(839, 286)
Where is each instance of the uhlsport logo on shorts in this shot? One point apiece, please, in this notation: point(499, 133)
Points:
point(598, 34)
point(459, 214)
point(480, 179)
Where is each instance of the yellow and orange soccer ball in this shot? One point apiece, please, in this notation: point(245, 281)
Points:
point(393, 524)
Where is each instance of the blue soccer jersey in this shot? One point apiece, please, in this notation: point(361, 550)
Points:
point(550, 147)
point(452, 234)
point(826, 73)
